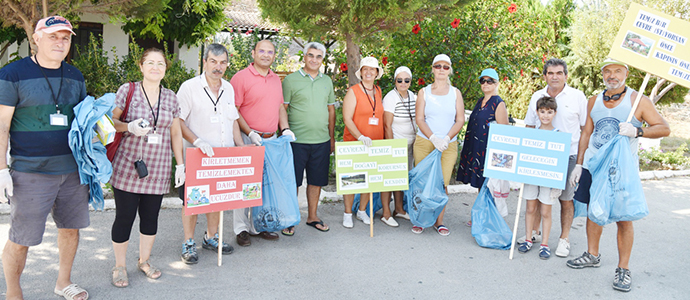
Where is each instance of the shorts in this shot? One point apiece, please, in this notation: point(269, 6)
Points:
point(36, 195)
point(569, 192)
point(582, 193)
point(315, 158)
point(542, 193)
point(422, 148)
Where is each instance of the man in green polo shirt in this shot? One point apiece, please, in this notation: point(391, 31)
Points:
point(309, 100)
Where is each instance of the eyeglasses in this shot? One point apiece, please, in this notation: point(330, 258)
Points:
point(489, 81)
point(400, 80)
point(311, 56)
point(614, 97)
point(445, 67)
point(269, 52)
point(151, 63)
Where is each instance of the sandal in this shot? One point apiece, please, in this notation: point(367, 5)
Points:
point(151, 272)
point(469, 223)
point(120, 277)
point(290, 231)
point(442, 230)
point(71, 292)
point(417, 229)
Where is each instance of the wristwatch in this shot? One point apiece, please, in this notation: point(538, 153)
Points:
point(639, 132)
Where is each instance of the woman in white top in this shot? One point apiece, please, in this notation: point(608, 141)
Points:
point(399, 123)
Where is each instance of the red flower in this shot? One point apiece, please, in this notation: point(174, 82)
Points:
point(384, 60)
point(412, 51)
point(522, 73)
point(455, 23)
point(420, 81)
point(416, 29)
point(512, 8)
point(343, 67)
point(495, 24)
point(250, 31)
point(543, 58)
point(505, 78)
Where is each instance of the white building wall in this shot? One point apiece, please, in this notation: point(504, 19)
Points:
point(115, 41)
point(190, 56)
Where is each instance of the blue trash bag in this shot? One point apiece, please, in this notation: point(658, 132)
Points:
point(377, 204)
point(580, 209)
point(426, 197)
point(280, 208)
point(616, 193)
point(489, 229)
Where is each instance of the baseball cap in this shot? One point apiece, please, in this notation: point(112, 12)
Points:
point(489, 73)
point(610, 61)
point(53, 24)
point(442, 57)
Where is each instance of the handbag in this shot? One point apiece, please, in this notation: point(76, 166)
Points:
point(111, 148)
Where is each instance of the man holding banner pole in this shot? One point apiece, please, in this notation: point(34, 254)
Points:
point(608, 113)
point(259, 100)
point(207, 107)
point(571, 116)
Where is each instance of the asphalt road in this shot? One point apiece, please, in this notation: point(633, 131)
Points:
point(394, 264)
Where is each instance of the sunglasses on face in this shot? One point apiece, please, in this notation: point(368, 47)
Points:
point(445, 67)
point(489, 81)
point(400, 80)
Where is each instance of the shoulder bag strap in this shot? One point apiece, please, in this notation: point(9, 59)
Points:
point(123, 115)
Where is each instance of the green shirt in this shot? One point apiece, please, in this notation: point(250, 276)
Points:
point(308, 100)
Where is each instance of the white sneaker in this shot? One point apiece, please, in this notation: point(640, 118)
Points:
point(347, 221)
point(563, 248)
point(362, 215)
point(390, 222)
point(536, 237)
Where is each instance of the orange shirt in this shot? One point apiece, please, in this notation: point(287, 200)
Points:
point(365, 110)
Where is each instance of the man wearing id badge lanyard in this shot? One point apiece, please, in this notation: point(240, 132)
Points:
point(207, 107)
point(259, 101)
point(37, 97)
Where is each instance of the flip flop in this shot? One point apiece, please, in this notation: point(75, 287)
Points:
point(290, 231)
point(314, 223)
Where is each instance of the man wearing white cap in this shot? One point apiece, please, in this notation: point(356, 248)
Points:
point(607, 112)
point(571, 116)
point(37, 97)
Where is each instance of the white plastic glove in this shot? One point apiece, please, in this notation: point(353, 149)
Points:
point(135, 129)
point(627, 129)
point(575, 175)
point(255, 138)
point(438, 142)
point(290, 133)
point(204, 147)
point(365, 140)
point(179, 175)
point(446, 142)
point(6, 185)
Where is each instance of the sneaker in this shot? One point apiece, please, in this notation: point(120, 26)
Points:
point(622, 280)
point(563, 248)
point(212, 244)
point(362, 215)
point(544, 252)
point(525, 246)
point(189, 255)
point(536, 238)
point(347, 220)
point(390, 222)
point(585, 260)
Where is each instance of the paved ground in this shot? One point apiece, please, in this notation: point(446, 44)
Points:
point(395, 263)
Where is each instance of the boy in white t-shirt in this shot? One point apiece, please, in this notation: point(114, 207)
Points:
point(546, 111)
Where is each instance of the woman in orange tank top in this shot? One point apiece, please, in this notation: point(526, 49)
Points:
point(363, 118)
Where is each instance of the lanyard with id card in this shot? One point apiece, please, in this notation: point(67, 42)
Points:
point(154, 138)
point(214, 118)
point(373, 120)
point(56, 119)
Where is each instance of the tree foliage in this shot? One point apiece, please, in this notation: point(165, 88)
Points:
point(26, 13)
point(351, 21)
point(187, 21)
point(591, 39)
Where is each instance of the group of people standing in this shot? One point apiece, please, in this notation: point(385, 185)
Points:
point(38, 94)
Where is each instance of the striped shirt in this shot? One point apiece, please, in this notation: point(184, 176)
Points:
point(403, 110)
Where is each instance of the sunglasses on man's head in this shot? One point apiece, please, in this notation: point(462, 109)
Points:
point(400, 80)
point(489, 81)
point(445, 67)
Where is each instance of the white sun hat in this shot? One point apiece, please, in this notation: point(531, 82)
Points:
point(369, 62)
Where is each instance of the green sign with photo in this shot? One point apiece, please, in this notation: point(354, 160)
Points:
point(379, 168)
